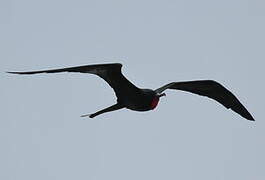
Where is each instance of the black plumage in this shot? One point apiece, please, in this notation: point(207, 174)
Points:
point(131, 97)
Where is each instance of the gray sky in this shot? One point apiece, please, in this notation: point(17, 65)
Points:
point(187, 137)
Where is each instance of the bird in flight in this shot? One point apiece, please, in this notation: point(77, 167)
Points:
point(131, 97)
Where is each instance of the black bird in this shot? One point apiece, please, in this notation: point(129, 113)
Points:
point(131, 97)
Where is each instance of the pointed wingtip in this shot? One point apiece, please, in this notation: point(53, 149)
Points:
point(85, 115)
point(12, 72)
point(251, 119)
point(248, 116)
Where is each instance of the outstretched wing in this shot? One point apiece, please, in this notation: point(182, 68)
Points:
point(111, 73)
point(213, 90)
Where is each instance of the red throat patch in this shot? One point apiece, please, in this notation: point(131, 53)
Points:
point(154, 102)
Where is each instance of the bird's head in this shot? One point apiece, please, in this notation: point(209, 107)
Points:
point(156, 100)
point(160, 95)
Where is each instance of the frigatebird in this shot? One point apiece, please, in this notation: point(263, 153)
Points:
point(131, 97)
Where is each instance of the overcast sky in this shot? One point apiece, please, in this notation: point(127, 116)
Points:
point(186, 137)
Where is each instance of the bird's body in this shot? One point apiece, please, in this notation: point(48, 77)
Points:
point(142, 100)
point(131, 97)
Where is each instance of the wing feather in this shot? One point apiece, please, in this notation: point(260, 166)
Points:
point(111, 73)
point(213, 90)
